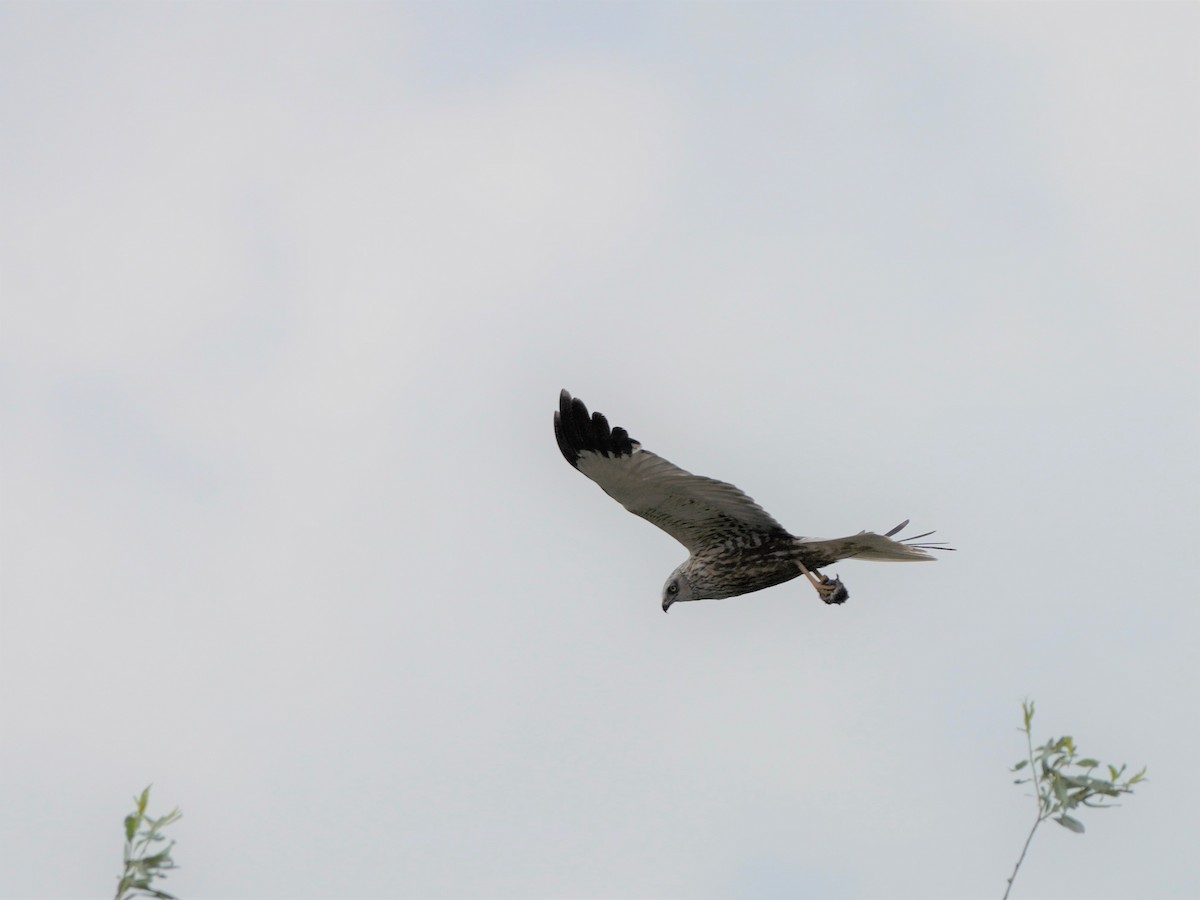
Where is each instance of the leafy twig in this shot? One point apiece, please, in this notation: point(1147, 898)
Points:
point(141, 866)
point(1059, 792)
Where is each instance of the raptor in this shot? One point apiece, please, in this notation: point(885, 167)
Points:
point(734, 546)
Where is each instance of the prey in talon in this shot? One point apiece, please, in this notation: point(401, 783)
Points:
point(831, 590)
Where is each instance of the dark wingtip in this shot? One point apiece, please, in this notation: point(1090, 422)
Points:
point(577, 431)
point(912, 540)
point(563, 420)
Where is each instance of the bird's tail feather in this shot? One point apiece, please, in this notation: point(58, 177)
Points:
point(878, 547)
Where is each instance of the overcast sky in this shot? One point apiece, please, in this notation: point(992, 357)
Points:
point(288, 296)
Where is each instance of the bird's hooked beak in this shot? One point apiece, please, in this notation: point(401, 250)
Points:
point(667, 601)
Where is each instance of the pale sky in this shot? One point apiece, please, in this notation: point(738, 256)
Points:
point(288, 296)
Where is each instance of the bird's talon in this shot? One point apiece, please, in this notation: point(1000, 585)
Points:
point(832, 591)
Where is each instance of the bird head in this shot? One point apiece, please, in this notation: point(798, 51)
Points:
point(677, 589)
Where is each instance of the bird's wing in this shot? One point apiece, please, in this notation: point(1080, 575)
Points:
point(694, 510)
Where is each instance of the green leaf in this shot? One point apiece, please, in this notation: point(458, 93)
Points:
point(1071, 824)
point(1019, 766)
point(1088, 763)
point(1138, 777)
point(1078, 797)
point(158, 860)
point(1060, 791)
point(131, 824)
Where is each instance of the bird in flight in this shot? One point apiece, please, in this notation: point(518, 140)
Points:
point(734, 546)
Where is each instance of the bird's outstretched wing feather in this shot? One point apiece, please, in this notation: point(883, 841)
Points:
point(694, 510)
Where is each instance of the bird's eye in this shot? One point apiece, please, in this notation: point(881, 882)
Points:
point(673, 587)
